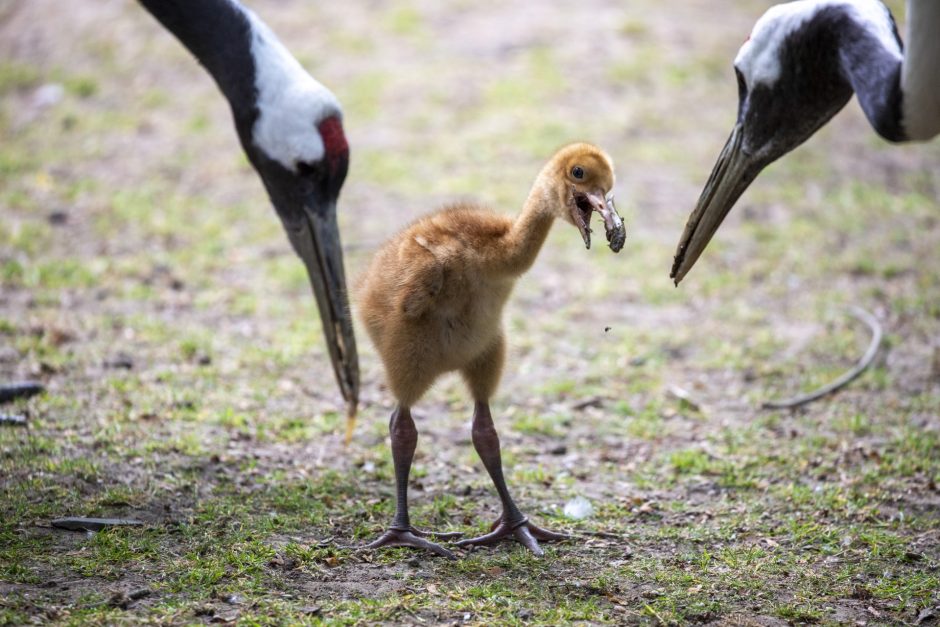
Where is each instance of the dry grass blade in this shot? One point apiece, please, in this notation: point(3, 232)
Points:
point(862, 365)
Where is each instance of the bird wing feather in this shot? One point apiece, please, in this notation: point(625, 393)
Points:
point(423, 278)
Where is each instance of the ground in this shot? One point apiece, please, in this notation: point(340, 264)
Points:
point(146, 281)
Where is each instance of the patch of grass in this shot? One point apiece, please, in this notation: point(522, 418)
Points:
point(111, 551)
point(405, 21)
point(547, 424)
point(15, 76)
point(225, 434)
point(691, 461)
point(913, 451)
point(647, 424)
point(363, 95)
point(637, 69)
point(800, 613)
point(12, 272)
point(81, 86)
point(15, 566)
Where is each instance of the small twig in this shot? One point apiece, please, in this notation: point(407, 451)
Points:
point(94, 524)
point(593, 401)
point(25, 389)
point(603, 534)
point(845, 379)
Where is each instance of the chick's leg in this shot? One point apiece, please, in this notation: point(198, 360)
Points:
point(512, 522)
point(404, 438)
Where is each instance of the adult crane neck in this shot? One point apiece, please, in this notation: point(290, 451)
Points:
point(899, 94)
point(873, 67)
point(218, 33)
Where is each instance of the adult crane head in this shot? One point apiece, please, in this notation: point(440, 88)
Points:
point(290, 127)
point(293, 136)
point(304, 192)
point(798, 68)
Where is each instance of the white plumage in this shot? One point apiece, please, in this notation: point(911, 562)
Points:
point(759, 59)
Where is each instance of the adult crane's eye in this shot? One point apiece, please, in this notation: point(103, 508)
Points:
point(577, 172)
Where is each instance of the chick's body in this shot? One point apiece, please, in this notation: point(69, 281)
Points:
point(432, 300)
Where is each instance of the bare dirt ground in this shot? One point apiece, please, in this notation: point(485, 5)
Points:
point(145, 280)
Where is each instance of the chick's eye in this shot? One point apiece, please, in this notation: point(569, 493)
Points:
point(577, 172)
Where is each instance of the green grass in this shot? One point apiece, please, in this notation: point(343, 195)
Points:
point(225, 434)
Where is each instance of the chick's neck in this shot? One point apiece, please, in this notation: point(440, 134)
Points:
point(531, 227)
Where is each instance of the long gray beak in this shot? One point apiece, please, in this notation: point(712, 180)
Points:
point(733, 173)
point(316, 240)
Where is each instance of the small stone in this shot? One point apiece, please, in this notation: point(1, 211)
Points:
point(926, 614)
point(578, 508)
point(204, 610)
point(138, 594)
point(58, 217)
point(121, 361)
point(16, 420)
point(682, 395)
point(48, 95)
point(119, 600)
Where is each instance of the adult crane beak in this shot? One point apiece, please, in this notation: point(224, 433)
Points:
point(733, 173)
point(316, 240)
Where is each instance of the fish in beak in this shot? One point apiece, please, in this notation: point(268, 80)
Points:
point(585, 204)
point(734, 171)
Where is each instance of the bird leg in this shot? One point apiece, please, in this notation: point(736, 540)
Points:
point(511, 522)
point(404, 438)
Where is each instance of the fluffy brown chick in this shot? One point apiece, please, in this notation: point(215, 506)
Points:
point(432, 302)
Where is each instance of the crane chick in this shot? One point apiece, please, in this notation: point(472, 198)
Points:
point(432, 302)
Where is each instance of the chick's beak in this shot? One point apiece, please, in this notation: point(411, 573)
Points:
point(316, 240)
point(734, 171)
point(585, 203)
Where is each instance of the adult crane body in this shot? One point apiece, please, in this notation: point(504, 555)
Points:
point(799, 67)
point(290, 127)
